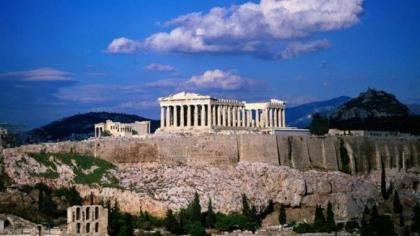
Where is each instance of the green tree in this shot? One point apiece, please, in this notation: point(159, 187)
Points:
point(70, 194)
point(253, 215)
point(267, 210)
point(319, 215)
point(171, 224)
point(195, 208)
point(282, 215)
point(352, 225)
point(415, 227)
point(319, 125)
point(398, 208)
point(330, 215)
point(195, 229)
point(364, 228)
point(245, 206)
point(210, 216)
point(384, 191)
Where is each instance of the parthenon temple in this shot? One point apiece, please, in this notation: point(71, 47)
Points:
point(183, 112)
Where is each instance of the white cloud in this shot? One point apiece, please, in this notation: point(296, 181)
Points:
point(261, 29)
point(40, 74)
point(211, 79)
point(160, 68)
point(297, 48)
point(216, 79)
point(123, 45)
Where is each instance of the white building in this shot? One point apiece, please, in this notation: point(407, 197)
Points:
point(122, 129)
point(191, 112)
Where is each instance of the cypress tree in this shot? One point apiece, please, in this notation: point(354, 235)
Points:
point(374, 212)
point(245, 206)
point(330, 215)
point(364, 229)
point(398, 208)
point(415, 227)
point(171, 224)
point(282, 215)
point(383, 181)
point(91, 199)
point(211, 216)
point(195, 208)
point(253, 215)
point(319, 215)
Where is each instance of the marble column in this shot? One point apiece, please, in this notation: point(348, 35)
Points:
point(224, 113)
point(243, 117)
point(195, 115)
point(266, 118)
point(283, 116)
point(168, 116)
point(208, 114)
point(203, 116)
point(257, 118)
point(162, 118)
point(271, 117)
point(276, 116)
point(182, 116)
point(189, 116)
point(175, 116)
point(219, 115)
point(229, 116)
point(213, 114)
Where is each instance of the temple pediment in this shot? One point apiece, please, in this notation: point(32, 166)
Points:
point(184, 96)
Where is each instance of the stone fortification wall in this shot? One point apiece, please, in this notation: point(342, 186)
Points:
point(357, 155)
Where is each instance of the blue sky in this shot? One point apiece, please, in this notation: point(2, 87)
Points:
point(59, 58)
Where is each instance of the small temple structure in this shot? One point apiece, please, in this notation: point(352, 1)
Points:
point(191, 112)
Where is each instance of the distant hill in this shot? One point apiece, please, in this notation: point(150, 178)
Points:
point(375, 110)
point(371, 104)
point(79, 126)
point(301, 116)
point(414, 108)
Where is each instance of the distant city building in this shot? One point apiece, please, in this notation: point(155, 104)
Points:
point(366, 133)
point(191, 112)
point(122, 129)
point(90, 220)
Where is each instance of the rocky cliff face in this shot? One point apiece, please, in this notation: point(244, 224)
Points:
point(355, 155)
point(156, 187)
point(157, 173)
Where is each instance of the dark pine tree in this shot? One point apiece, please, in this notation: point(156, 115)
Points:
point(196, 208)
point(319, 215)
point(330, 215)
point(383, 181)
point(398, 208)
point(364, 228)
point(415, 227)
point(319, 125)
point(253, 215)
point(282, 215)
point(171, 224)
point(245, 206)
point(210, 216)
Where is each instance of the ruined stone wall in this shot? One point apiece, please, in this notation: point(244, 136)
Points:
point(356, 155)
